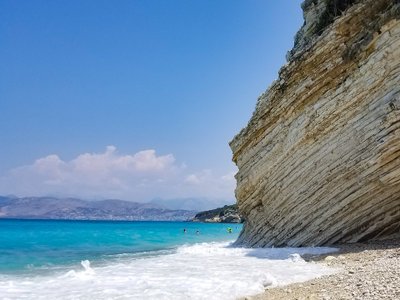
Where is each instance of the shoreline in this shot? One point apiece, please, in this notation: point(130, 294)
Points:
point(365, 271)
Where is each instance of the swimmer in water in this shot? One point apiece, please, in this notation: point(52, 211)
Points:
point(184, 230)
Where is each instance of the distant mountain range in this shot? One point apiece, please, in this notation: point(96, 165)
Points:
point(77, 209)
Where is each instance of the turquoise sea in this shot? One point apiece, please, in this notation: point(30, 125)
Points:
point(45, 260)
point(40, 245)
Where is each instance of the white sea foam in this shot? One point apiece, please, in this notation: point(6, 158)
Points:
point(201, 271)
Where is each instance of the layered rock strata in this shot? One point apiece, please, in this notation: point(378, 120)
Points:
point(319, 161)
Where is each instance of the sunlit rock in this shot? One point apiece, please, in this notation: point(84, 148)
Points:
point(319, 161)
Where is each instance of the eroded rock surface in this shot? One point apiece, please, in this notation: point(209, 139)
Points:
point(319, 161)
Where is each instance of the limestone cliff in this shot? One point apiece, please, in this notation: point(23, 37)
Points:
point(319, 161)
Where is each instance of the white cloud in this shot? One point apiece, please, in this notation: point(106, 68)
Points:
point(199, 178)
point(230, 177)
point(192, 179)
point(109, 161)
point(141, 176)
point(207, 182)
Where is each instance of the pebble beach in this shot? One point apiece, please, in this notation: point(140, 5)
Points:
point(364, 271)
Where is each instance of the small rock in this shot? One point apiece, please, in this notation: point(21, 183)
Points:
point(330, 258)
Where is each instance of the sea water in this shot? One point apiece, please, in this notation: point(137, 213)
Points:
point(140, 260)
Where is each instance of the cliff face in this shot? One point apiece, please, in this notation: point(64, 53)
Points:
point(319, 161)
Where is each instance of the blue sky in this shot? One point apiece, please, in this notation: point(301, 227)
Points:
point(162, 84)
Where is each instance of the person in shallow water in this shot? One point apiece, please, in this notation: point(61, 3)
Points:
point(197, 231)
point(184, 230)
point(229, 230)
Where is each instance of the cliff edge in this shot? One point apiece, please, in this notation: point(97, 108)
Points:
point(319, 161)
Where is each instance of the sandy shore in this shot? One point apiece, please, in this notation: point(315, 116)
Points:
point(365, 271)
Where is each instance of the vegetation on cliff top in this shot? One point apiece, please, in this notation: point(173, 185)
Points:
point(226, 214)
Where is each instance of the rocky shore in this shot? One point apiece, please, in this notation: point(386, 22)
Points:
point(365, 271)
